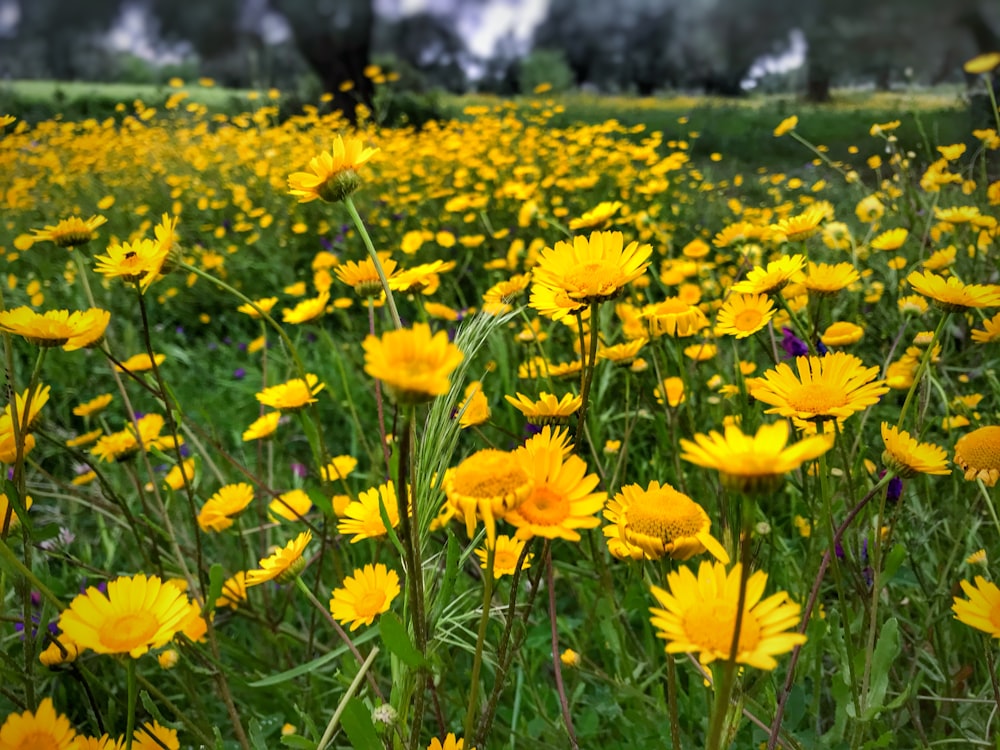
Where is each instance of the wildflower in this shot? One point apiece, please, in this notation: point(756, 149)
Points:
point(670, 392)
point(137, 263)
point(70, 330)
point(414, 365)
point(307, 309)
point(742, 315)
point(141, 363)
point(698, 615)
point(175, 478)
point(771, 278)
point(599, 217)
point(363, 517)
point(218, 511)
point(561, 499)
point(283, 564)
point(364, 596)
point(363, 276)
point(786, 126)
point(69, 232)
point(977, 453)
point(234, 591)
point(94, 406)
point(43, 728)
point(834, 386)
point(674, 317)
point(474, 409)
point(622, 354)
point(168, 659)
point(977, 558)
point(892, 239)
point(801, 227)
point(262, 427)
point(450, 741)
point(989, 332)
point(291, 505)
point(982, 609)
point(292, 395)
point(754, 463)
point(570, 658)
point(907, 457)
point(338, 468)
point(488, 483)
point(332, 175)
point(547, 409)
point(264, 305)
point(155, 737)
point(137, 614)
point(662, 521)
point(505, 556)
point(842, 333)
point(984, 63)
point(60, 651)
point(951, 294)
point(825, 279)
point(869, 209)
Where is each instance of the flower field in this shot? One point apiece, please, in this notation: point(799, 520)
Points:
point(501, 433)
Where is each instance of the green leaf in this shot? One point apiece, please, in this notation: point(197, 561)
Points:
point(256, 736)
point(357, 723)
point(397, 640)
point(310, 666)
point(893, 561)
point(887, 648)
point(297, 741)
point(216, 579)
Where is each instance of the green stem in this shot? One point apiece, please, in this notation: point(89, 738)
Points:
point(484, 619)
point(921, 369)
point(351, 690)
point(15, 562)
point(133, 694)
point(675, 723)
point(360, 225)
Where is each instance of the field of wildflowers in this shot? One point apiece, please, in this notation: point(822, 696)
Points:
point(499, 433)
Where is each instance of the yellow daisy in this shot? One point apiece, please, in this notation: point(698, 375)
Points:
point(801, 227)
point(674, 317)
point(43, 728)
point(908, 457)
point(662, 521)
point(339, 467)
point(450, 743)
point(414, 365)
point(234, 591)
point(891, 239)
point(977, 453)
point(137, 614)
point(94, 406)
point(141, 363)
point(307, 309)
point(69, 232)
point(833, 386)
point(599, 217)
point(364, 596)
point(825, 279)
point(698, 615)
point(363, 517)
point(842, 333)
point(951, 294)
point(218, 511)
point(671, 392)
point(622, 354)
point(562, 499)
point(742, 315)
point(104, 742)
point(786, 126)
point(70, 330)
point(474, 409)
point(155, 737)
point(505, 556)
point(982, 609)
point(292, 395)
point(984, 63)
point(60, 651)
point(487, 484)
point(262, 427)
point(989, 332)
point(283, 564)
point(291, 505)
point(363, 277)
point(753, 463)
point(139, 262)
point(332, 175)
point(5, 508)
point(547, 409)
point(265, 305)
point(772, 277)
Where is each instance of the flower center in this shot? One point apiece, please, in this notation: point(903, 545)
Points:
point(746, 320)
point(129, 631)
point(665, 517)
point(544, 507)
point(711, 627)
point(489, 474)
point(980, 449)
point(40, 739)
point(370, 603)
point(594, 279)
point(817, 398)
point(505, 560)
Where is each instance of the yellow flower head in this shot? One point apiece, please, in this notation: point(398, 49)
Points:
point(660, 521)
point(801, 227)
point(753, 463)
point(307, 309)
point(94, 406)
point(742, 315)
point(505, 556)
point(487, 484)
point(69, 232)
point(283, 564)
point(698, 615)
point(363, 517)
point(772, 277)
point(234, 591)
point(292, 395)
point(332, 175)
point(364, 596)
point(140, 262)
point(786, 126)
point(70, 330)
point(450, 741)
point(952, 295)
point(363, 276)
point(989, 332)
point(826, 280)
point(674, 317)
point(670, 392)
point(828, 387)
point(137, 614)
point(155, 737)
point(984, 63)
point(982, 609)
point(907, 457)
point(43, 728)
point(218, 511)
point(547, 409)
point(977, 453)
point(599, 217)
point(414, 365)
point(474, 409)
point(290, 506)
point(262, 427)
point(842, 333)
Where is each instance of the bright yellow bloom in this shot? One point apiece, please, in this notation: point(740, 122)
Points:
point(291, 505)
point(363, 517)
point(801, 227)
point(771, 278)
point(951, 294)
point(474, 409)
point(141, 363)
point(450, 741)
point(69, 232)
point(754, 463)
point(218, 511)
point(59, 651)
point(155, 737)
point(892, 239)
point(140, 262)
point(8, 441)
point(908, 457)
point(414, 365)
point(622, 354)
point(70, 330)
point(660, 521)
point(982, 609)
point(264, 305)
point(786, 126)
point(833, 386)
point(332, 175)
point(599, 217)
point(507, 553)
point(92, 407)
point(671, 392)
point(698, 616)
point(674, 317)
point(842, 333)
point(43, 729)
point(262, 427)
point(174, 479)
point(137, 614)
point(742, 315)
point(234, 591)
point(307, 309)
point(984, 63)
point(363, 276)
point(977, 453)
point(827, 280)
point(338, 468)
point(547, 409)
point(292, 395)
point(487, 484)
point(989, 332)
point(283, 564)
point(364, 596)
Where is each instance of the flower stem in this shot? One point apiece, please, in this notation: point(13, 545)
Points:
point(360, 225)
point(556, 661)
point(921, 369)
point(484, 619)
point(351, 690)
point(132, 697)
point(590, 360)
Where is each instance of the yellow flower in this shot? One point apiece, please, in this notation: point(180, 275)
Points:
point(674, 317)
point(283, 564)
point(842, 333)
point(174, 479)
point(742, 315)
point(5, 508)
point(982, 609)
point(363, 517)
point(140, 363)
point(825, 279)
point(264, 305)
point(218, 511)
point(599, 217)
point(833, 386)
point(424, 278)
point(364, 596)
point(984, 63)
point(698, 616)
point(869, 209)
point(291, 506)
point(977, 453)
point(414, 365)
point(363, 276)
point(69, 232)
point(771, 278)
point(262, 427)
point(155, 737)
point(907, 457)
point(474, 409)
point(60, 651)
point(26, 415)
point(977, 558)
point(951, 294)
point(137, 614)
point(590, 269)
point(561, 499)
point(660, 521)
point(892, 239)
point(801, 227)
point(786, 126)
point(338, 468)
point(507, 553)
point(332, 175)
point(140, 262)
point(622, 354)
point(754, 463)
point(451, 742)
point(70, 330)
point(307, 309)
point(671, 392)
point(547, 409)
point(292, 395)
point(989, 332)
point(43, 728)
point(234, 591)
point(92, 407)
point(489, 483)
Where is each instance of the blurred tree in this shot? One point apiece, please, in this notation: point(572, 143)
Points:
point(429, 44)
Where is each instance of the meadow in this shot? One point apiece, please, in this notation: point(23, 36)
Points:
point(561, 421)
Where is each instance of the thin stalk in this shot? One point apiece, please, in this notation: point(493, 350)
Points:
point(590, 360)
point(363, 231)
point(379, 406)
point(484, 619)
point(556, 661)
point(675, 723)
point(921, 369)
point(351, 690)
point(133, 695)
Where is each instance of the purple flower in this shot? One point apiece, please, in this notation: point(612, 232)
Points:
point(300, 470)
point(239, 373)
point(792, 344)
